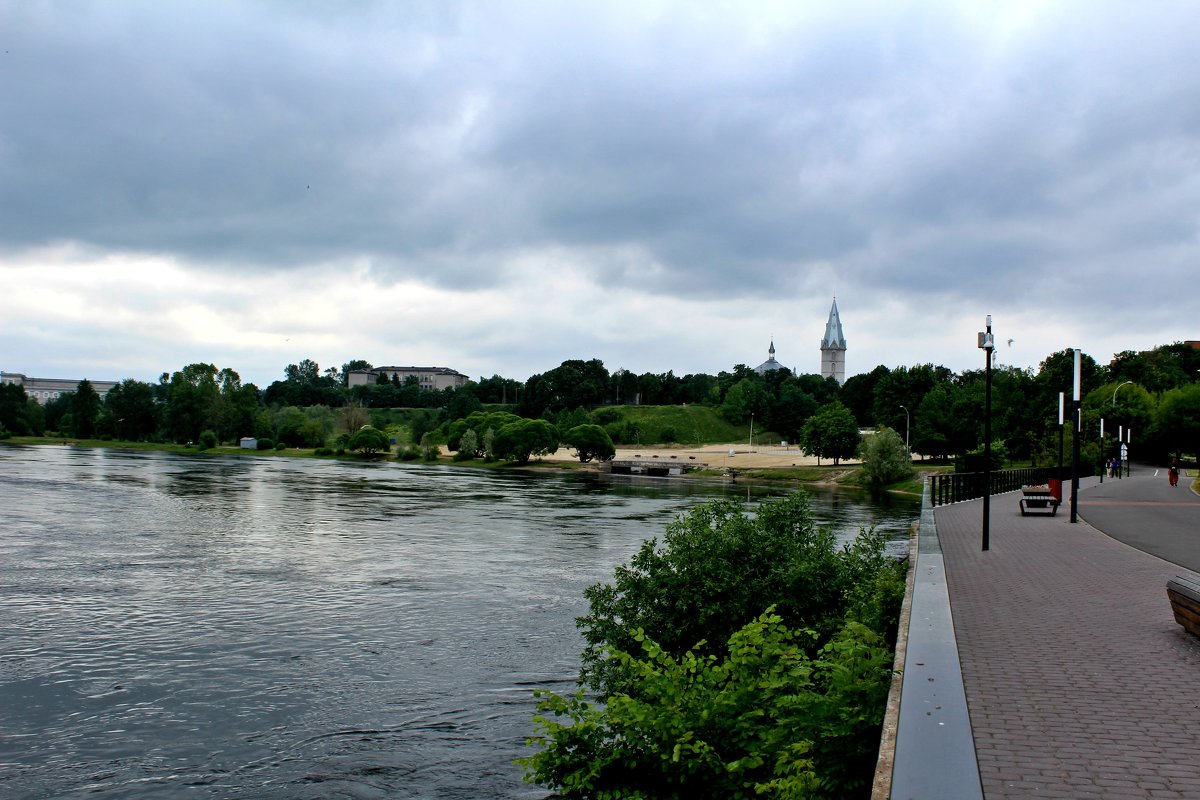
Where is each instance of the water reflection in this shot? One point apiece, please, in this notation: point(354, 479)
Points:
point(224, 627)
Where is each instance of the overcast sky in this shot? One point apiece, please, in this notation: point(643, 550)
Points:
point(499, 186)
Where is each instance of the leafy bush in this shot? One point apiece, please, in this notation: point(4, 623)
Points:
point(518, 441)
point(411, 453)
point(668, 435)
point(281, 445)
point(716, 569)
point(369, 440)
point(265, 444)
point(885, 458)
point(762, 718)
point(208, 440)
point(590, 441)
point(725, 700)
point(323, 451)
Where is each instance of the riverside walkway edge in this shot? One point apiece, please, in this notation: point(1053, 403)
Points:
point(1078, 681)
point(934, 750)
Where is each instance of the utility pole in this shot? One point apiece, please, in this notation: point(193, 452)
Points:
point(1075, 442)
point(987, 343)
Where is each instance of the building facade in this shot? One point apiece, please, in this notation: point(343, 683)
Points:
point(44, 390)
point(432, 378)
point(833, 348)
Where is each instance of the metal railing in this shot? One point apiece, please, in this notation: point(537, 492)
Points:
point(959, 486)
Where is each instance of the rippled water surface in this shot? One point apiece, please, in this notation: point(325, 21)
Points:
point(178, 626)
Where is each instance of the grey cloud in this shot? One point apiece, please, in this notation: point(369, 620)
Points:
point(908, 147)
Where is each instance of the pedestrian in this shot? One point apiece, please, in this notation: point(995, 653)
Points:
point(1173, 472)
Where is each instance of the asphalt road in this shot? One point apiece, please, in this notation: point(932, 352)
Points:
point(1146, 512)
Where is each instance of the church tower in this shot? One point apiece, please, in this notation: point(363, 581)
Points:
point(833, 348)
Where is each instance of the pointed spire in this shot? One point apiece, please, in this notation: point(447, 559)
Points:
point(771, 352)
point(834, 340)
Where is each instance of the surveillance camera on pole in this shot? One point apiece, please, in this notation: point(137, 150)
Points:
point(987, 343)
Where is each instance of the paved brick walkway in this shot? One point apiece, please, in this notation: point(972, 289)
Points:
point(1079, 683)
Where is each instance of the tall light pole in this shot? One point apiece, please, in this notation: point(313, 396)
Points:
point(1102, 450)
point(1061, 403)
point(1121, 449)
point(906, 447)
point(1075, 404)
point(987, 343)
point(1114, 400)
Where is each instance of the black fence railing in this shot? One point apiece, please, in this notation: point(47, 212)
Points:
point(959, 486)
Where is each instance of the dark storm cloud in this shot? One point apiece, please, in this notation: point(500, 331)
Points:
point(680, 149)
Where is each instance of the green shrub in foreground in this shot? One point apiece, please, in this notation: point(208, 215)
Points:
point(727, 701)
point(717, 567)
point(763, 719)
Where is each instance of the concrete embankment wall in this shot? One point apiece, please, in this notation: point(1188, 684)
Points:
point(927, 748)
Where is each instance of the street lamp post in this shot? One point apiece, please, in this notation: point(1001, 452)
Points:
point(1075, 440)
point(906, 447)
point(1114, 400)
point(1061, 400)
point(1102, 449)
point(1121, 440)
point(987, 343)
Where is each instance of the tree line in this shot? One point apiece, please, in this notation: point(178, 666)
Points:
point(938, 412)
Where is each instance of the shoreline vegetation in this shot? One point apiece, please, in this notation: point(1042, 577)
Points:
point(757, 464)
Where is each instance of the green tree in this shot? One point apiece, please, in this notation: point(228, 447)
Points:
point(369, 440)
point(946, 422)
point(831, 433)
point(468, 446)
point(191, 393)
point(885, 458)
point(85, 409)
point(747, 396)
point(132, 408)
point(715, 570)
point(518, 441)
point(590, 441)
point(763, 718)
point(19, 413)
point(1178, 421)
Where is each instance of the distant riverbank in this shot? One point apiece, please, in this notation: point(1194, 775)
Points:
point(711, 461)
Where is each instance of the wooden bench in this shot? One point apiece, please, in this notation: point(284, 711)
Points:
point(1185, 602)
point(1037, 497)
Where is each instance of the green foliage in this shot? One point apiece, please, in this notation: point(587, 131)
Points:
point(369, 440)
point(691, 423)
point(518, 441)
point(208, 440)
point(19, 413)
point(747, 396)
point(831, 433)
point(85, 409)
point(590, 441)
point(885, 458)
point(717, 567)
point(266, 444)
point(280, 446)
point(468, 446)
point(131, 407)
point(1178, 420)
point(764, 718)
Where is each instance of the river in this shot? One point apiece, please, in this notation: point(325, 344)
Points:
point(223, 627)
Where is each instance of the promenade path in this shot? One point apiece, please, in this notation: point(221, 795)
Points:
point(1079, 683)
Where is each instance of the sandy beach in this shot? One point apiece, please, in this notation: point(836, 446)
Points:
point(716, 456)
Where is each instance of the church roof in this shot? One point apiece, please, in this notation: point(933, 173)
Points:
point(770, 365)
point(834, 340)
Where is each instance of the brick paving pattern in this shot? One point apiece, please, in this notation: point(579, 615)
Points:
point(1079, 682)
